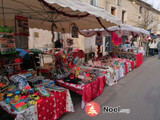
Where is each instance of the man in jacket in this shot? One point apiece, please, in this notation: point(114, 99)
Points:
point(158, 46)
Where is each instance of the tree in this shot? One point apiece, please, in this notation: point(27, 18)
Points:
point(147, 19)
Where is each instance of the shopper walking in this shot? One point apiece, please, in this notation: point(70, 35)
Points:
point(152, 47)
point(158, 47)
point(147, 49)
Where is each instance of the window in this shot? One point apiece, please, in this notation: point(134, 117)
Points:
point(94, 2)
point(119, 2)
point(113, 11)
point(123, 16)
point(140, 9)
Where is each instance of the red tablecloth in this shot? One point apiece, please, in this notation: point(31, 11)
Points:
point(53, 107)
point(126, 68)
point(88, 91)
point(139, 59)
point(131, 62)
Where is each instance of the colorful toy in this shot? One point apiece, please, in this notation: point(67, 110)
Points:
point(27, 87)
point(7, 100)
point(20, 80)
point(28, 75)
point(43, 91)
point(31, 91)
point(48, 83)
point(32, 102)
point(23, 92)
point(3, 90)
point(76, 60)
point(11, 88)
point(30, 97)
point(25, 99)
point(8, 97)
point(77, 71)
point(15, 99)
point(17, 92)
point(36, 80)
point(36, 97)
point(18, 106)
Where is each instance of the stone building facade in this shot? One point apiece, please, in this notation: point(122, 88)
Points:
point(131, 12)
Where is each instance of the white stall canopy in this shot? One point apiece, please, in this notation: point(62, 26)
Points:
point(125, 29)
point(43, 13)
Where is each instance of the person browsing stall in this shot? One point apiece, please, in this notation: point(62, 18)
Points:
point(152, 47)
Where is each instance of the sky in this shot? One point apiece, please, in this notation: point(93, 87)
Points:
point(155, 3)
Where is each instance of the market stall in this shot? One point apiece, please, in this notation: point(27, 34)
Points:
point(122, 58)
point(24, 93)
point(56, 16)
point(120, 41)
point(123, 34)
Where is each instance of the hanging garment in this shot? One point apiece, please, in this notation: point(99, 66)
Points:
point(116, 39)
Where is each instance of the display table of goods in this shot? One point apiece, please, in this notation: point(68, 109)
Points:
point(31, 97)
point(133, 52)
point(113, 69)
point(89, 86)
point(136, 57)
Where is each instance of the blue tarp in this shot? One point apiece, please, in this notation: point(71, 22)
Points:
point(25, 55)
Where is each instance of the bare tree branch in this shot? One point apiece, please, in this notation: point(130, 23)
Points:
point(147, 19)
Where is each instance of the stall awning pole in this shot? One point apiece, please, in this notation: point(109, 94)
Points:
point(3, 13)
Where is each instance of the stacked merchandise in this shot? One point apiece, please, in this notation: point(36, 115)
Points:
point(128, 53)
point(57, 73)
point(7, 42)
point(25, 91)
point(85, 83)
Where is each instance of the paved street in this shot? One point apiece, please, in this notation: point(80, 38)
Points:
point(139, 91)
